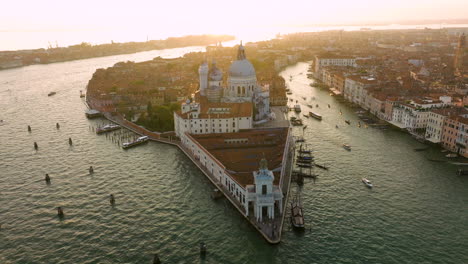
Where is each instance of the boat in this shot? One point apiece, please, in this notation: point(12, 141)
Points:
point(462, 172)
point(296, 122)
point(300, 140)
point(315, 115)
point(305, 158)
point(348, 122)
point(304, 161)
point(367, 182)
point(288, 93)
point(297, 108)
point(346, 146)
point(311, 106)
point(451, 155)
point(136, 142)
point(216, 194)
point(305, 98)
point(321, 166)
point(107, 128)
point(306, 115)
point(304, 165)
point(91, 113)
point(297, 216)
point(51, 93)
point(82, 94)
point(328, 105)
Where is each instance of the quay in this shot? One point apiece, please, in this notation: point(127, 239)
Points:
point(271, 230)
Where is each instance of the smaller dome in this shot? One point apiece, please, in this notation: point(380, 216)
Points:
point(215, 73)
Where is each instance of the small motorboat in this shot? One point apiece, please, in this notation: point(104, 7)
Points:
point(311, 106)
point(328, 105)
point(346, 146)
point(136, 142)
point(297, 108)
point(51, 93)
point(216, 194)
point(367, 182)
point(306, 115)
point(315, 115)
point(451, 155)
point(348, 122)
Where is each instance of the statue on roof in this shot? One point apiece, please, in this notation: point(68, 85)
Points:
point(263, 164)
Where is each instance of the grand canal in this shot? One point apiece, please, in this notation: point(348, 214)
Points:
point(416, 213)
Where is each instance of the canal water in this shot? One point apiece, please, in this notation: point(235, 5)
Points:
point(416, 213)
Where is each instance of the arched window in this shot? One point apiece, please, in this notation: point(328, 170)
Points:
point(238, 90)
point(243, 90)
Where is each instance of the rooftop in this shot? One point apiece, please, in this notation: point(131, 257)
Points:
point(241, 152)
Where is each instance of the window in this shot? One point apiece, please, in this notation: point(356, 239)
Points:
point(264, 189)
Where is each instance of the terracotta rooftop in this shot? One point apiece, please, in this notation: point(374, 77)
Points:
point(241, 152)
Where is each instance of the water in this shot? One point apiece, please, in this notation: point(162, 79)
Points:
point(415, 214)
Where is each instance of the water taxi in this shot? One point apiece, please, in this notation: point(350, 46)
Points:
point(91, 113)
point(346, 146)
point(137, 141)
point(297, 108)
point(315, 115)
point(107, 128)
point(367, 182)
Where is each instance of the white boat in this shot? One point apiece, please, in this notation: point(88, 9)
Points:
point(451, 155)
point(297, 108)
point(315, 115)
point(367, 182)
point(107, 128)
point(137, 141)
point(346, 146)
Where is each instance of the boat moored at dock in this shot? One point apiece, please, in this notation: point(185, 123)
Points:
point(297, 216)
point(297, 108)
point(346, 146)
point(136, 142)
point(91, 113)
point(107, 128)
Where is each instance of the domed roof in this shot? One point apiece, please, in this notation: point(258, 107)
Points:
point(241, 68)
point(215, 73)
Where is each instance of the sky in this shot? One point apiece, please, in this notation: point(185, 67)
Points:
point(215, 16)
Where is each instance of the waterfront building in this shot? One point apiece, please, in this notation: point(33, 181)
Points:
point(321, 61)
point(414, 116)
point(232, 160)
point(355, 88)
point(436, 120)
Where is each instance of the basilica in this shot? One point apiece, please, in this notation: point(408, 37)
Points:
point(219, 107)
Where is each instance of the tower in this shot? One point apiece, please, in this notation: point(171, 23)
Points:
point(460, 54)
point(265, 202)
point(203, 75)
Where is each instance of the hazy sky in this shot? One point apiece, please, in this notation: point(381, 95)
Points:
point(215, 16)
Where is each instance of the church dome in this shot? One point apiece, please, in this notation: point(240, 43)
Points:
point(241, 68)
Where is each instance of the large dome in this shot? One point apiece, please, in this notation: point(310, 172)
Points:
point(241, 68)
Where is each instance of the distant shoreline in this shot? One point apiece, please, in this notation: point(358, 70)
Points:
point(21, 58)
